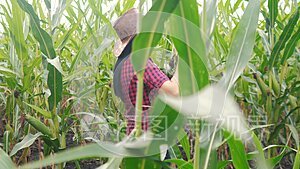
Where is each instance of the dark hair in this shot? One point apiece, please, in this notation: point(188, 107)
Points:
point(118, 69)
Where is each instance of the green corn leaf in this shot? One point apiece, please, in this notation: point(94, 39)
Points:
point(48, 4)
point(28, 71)
point(261, 160)
point(290, 46)
point(7, 72)
point(58, 13)
point(284, 37)
point(297, 160)
point(222, 164)
point(193, 61)
point(39, 110)
point(112, 163)
point(16, 28)
point(295, 135)
point(165, 126)
point(210, 16)
point(5, 161)
point(181, 164)
point(242, 44)
point(41, 35)
point(184, 141)
point(276, 160)
point(236, 5)
point(221, 42)
point(41, 11)
point(26, 142)
point(237, 152)
point(141, 163)
point(62, 41)
point(54, 80)
point(273, 10)
point(152, 22)
point(128, 4)
point(100, 149)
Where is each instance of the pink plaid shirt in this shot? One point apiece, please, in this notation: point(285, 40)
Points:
point(153, 80)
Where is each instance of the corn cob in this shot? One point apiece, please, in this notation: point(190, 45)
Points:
point(283, 72)
point(275, 84)
point(293, 101)
point(38, 125)
point(261, 84)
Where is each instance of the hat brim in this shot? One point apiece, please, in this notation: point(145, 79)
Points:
point(120, 46)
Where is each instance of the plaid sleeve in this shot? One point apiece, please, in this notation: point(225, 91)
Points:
point(153, 76)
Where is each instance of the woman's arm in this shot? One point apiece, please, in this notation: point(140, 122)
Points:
point(171, 87)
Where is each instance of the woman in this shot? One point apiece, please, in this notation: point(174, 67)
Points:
point(125, 80)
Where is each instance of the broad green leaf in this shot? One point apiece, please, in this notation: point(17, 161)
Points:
point(113, 163)
point(211, 155)
point(297, 160)
point(221, 42)
point(44, 39)
point(236, 5)
point(81, 52)
point(284, 37)
point(290, 46)
point(56, 63)
point(237, 152)
point(26, 142)
point(41, 10)
point(89, 28)
point(48, 4)
point(7, 72)
point(223, 164)
point(128, 4)
point(152, 21)
point(276, 160)
point(165, 125)
point(54, 80)
point(100, 149)
point(55, 19)
point(295, 135)
point(242, 44)
point(273, 11)
point(195, 70)
point(141, 163)
point(66, 36)
point(264, 38)
point(16, 28)
point(260, 157)
point(6, 140)
point(5, 161)
point(29, 72)
point(181, 164)
point(39, 110)
point(211, 11)
point(185, 143)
